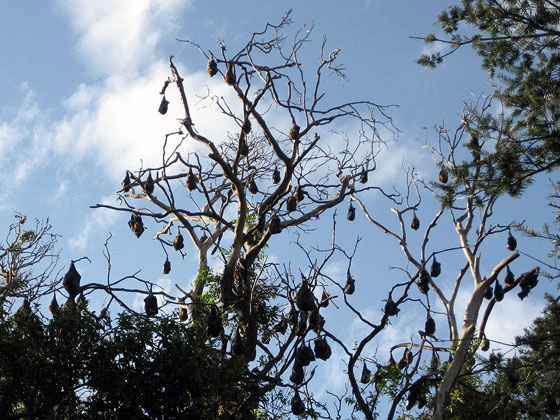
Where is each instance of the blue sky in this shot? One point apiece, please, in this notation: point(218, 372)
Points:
point(79, 87)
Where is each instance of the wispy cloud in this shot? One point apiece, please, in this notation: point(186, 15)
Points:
point(117, 37)
point(509, 318)
point(60, 191)
point(113, 121)
point(94, 221)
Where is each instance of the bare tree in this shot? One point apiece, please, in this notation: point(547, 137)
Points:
point(28, 257)
point(468, 187)
point(257, 182)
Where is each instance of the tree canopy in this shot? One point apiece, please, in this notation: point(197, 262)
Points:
point(518, 41)
point(79, 364)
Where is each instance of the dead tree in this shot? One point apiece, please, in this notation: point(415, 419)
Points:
point(233, 193)
point(467, 188)
point(28, 257)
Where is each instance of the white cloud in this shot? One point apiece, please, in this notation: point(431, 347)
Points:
point(17, 124)
point(118, 124)
point(114, 120)
point(120, 36)
point(21, 135)
point(60, 191)
point(509, 318)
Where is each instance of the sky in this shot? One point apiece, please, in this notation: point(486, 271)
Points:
point(79, 85)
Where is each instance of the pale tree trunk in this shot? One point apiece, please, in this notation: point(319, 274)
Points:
point(467, 334)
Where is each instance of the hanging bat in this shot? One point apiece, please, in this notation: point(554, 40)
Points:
point(214, 323)
point(71, 282)
point(294, 132)
point(351, 213)
point(322, 349)
point(305, 300)
point(178, 243)
point(212, 67)
point(443, 176)
point(415, 224)
point(136, 225)
point(350, 286)
point(297, 405)
point(150, 305)
point(163, 106)
point(364, 176)
point(435, 270)
point(304, 355)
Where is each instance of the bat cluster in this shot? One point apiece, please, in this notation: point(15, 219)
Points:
point(306, 317)
point(416, 395)
point(305, 300)
point(528, 281)
point(406, 359)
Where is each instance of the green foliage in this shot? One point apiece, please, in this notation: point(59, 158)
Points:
point(519, 45)
point(78, 365)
